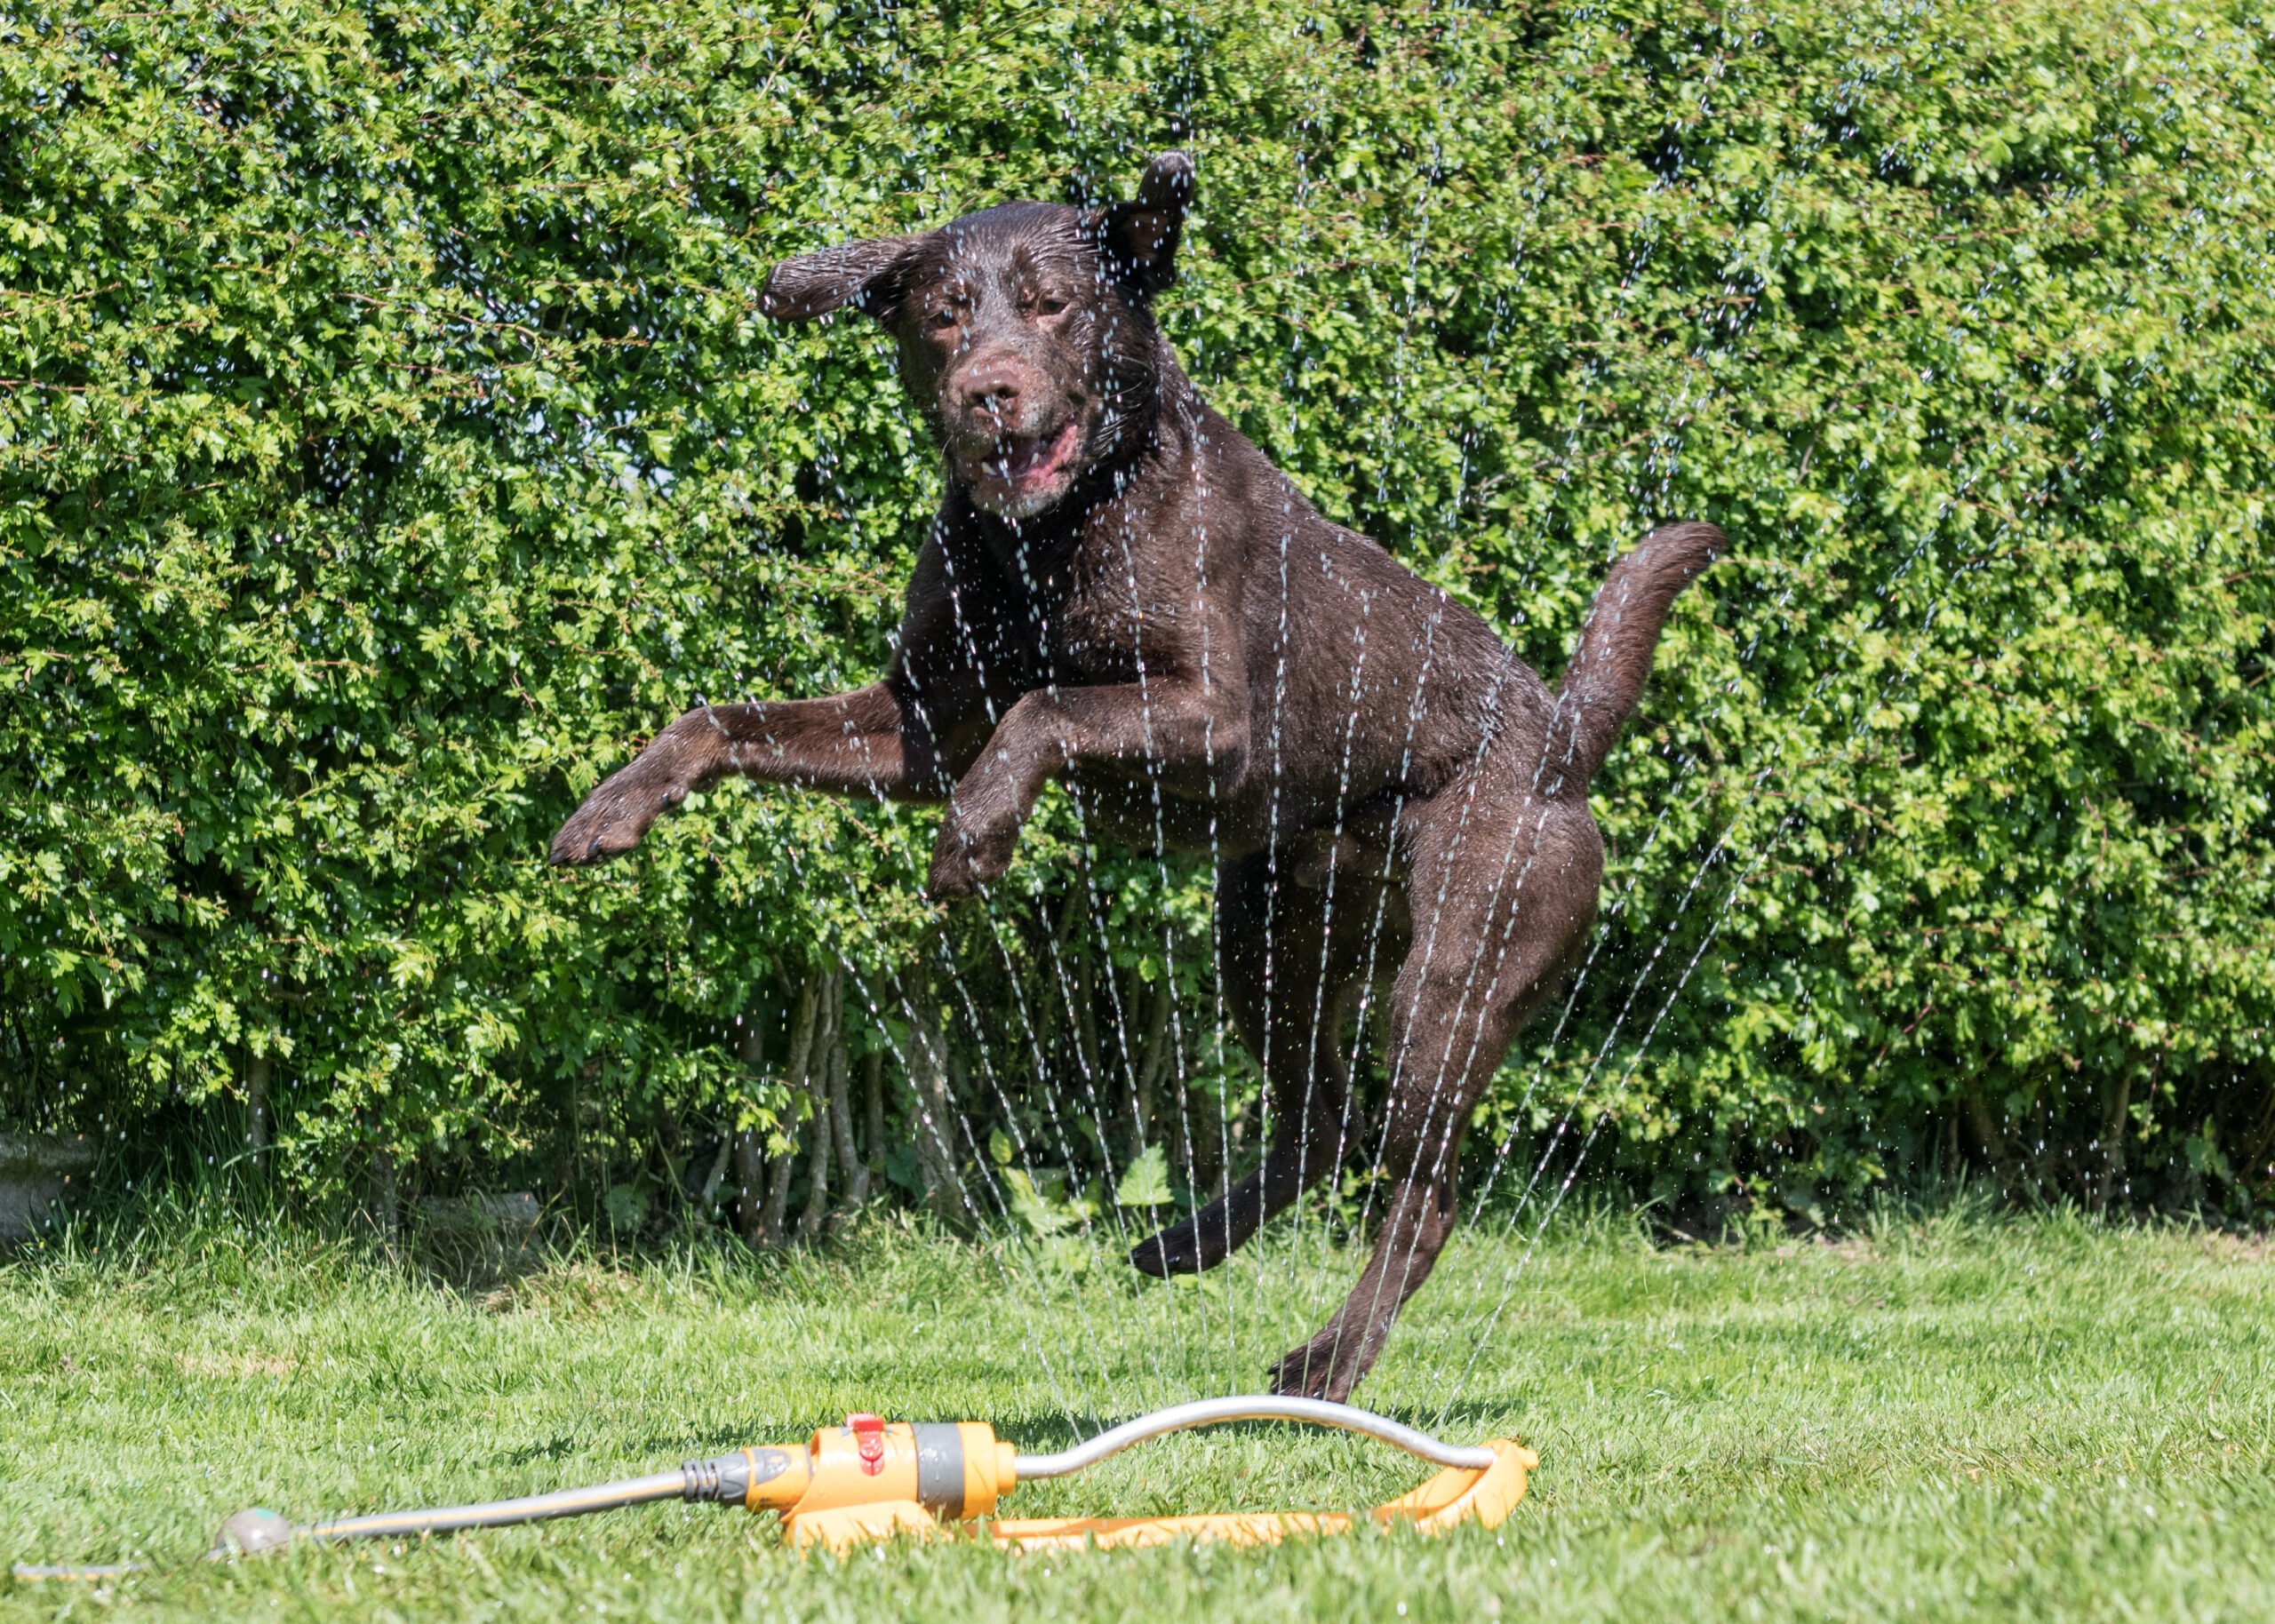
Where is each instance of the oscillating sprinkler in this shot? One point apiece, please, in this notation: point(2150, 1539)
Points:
point(872, 1479)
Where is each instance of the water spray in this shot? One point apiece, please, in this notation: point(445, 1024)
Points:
point(871, 1479)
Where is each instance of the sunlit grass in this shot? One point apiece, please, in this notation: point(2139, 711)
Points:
point(1939, 1417)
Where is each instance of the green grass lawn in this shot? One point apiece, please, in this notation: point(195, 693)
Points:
point(1941, 1418)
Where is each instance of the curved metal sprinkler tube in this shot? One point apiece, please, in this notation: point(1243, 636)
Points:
point(1211, 1411)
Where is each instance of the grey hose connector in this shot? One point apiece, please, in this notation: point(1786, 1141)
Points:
point(1212, 1412)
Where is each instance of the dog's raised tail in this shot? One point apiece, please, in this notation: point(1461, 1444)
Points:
point(1604, 677)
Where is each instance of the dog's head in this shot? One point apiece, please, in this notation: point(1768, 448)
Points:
point(1026, 331)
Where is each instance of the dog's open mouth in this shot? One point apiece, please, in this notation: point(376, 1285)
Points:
point(1029, 465)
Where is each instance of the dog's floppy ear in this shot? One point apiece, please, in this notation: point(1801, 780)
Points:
point(868, 274)
point(1139, 238)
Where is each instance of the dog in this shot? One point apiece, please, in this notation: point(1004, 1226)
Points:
point(1122, 593)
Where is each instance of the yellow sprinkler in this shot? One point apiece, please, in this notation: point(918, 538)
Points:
point(873, 1479)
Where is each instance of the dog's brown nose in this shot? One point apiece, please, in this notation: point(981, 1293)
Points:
point(990, 390)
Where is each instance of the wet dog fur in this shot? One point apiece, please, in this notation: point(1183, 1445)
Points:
point(1120, 592)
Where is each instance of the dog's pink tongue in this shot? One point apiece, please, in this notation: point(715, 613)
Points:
point(1041, 455)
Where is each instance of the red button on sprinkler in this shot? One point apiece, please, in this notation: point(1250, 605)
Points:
point(869, 1437)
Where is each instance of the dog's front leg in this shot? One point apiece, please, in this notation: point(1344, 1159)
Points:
point(1180, 728)
point(874, 741)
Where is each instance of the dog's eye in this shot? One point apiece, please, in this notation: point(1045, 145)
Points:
point(1049, 304)
point(943, 318)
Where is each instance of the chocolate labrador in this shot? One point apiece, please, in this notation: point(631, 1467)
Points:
point(1122, 593)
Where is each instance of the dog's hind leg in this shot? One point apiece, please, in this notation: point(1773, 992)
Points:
point(1498, 904)
point(1290, 963)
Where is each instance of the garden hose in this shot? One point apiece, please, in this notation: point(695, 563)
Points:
point(871, 1479)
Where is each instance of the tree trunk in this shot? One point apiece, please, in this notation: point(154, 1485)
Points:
point(1153, 1060)
point(841, 1120)
point(741, 1146)
point(386, 1207)
point(825, 1082)
point(776, 1209)
point(1986, 1133)
point(256, 1076)
point(1086, 1011)
point(873, 1106)
point(817, 1213)
point(1066, 990)
point(928, 1076)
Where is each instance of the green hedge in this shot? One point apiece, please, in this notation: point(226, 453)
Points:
point(389, 442)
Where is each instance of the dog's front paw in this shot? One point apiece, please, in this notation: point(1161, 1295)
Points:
point(611, 821)
point(622, 810)
point(968, 854)
point(951, 879)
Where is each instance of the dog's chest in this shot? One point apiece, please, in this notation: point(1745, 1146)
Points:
point(1094, 626)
